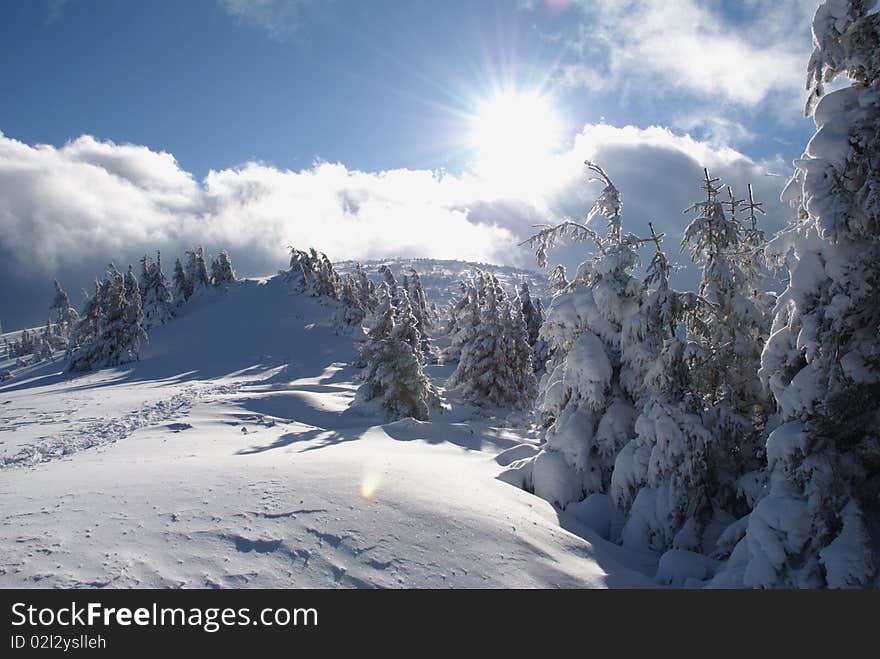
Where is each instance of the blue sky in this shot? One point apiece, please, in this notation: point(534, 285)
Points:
point(311, 102)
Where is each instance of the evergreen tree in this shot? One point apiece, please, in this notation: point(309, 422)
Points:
point(366, 290)
point(726, 339)
point(394, 373)
point(584, 399)
point(158, 301)
point(196, 271)
point(422, 311)
point(729, 337)
point(817, 524)
point(495, 365)
point(664, 479)
point(134, 317)
point(221, 270)
point(353, 311)
point(388, 278)
point(110, 330)
point(182, 287)
point(65, 316)
point(83, 339)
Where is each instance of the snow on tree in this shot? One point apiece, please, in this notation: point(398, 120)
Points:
point(64, 315)
point(731, 334)
point(111, 327)
point(394, 376)
point(423, 312)
point(158, 301)
point(664, 479)
point(817, 524)
point(366, 290)
point(85, 333)
point(584, 403)
point(196, 271)
point(353, 311)
point(221, 270)
point(495, 365)
point(725, 341)
point(182, 287)
point(134, 318)
point(388, 278)
point(312, 272)
point(533, 316)
point(464, 315)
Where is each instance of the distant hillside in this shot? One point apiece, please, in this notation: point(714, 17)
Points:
point(440, 278)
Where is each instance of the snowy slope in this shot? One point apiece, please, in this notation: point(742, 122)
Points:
point(228, 458)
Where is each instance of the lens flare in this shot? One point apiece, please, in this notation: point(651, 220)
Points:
point(369, 485)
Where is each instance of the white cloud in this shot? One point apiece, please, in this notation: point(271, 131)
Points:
point(693, 47)
point(69, 210)
point(279, 18)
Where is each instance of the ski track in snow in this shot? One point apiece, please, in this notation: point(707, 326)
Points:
point(89, 433)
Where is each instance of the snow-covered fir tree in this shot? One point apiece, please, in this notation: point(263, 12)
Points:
point(731, 334)
point(313, 273)
point(134, 317)
point(158, 302)
point(388, 278)
point(353, 311)
point(464, 315)
point(533, 316)
point(366, 289)
point(423, 312)
point(84, 335)
point(196, 271)
point(64, 315)
point(817, 525)
point(222, 273)
point(664, 479)
point(495, 365)
point(110, 330)
point(584, 400)
point(182, 290)
point(394, 375)
point(725, 345)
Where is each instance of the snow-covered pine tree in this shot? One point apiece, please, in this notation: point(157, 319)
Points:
point(724, 352)
point(388, 278)
point(157, 299)
point(495, 366)
point(464, 315)
point(111, 328)
point(353, 311)
point(65, 316)
point(366, 290)
point(817, 526)
point(664, 480)
point(222, 273)
point(583, 400)
point(83, 338)
point(182, 287)
point(196, 270)
point(394, 373)
point(422, 311)
point(533, 316)
point(111, 348)
point(134, 318)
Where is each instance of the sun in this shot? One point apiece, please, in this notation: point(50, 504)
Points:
point(513, 129)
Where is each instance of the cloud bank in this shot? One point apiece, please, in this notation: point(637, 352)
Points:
point(731, 53)
point(67, 211)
